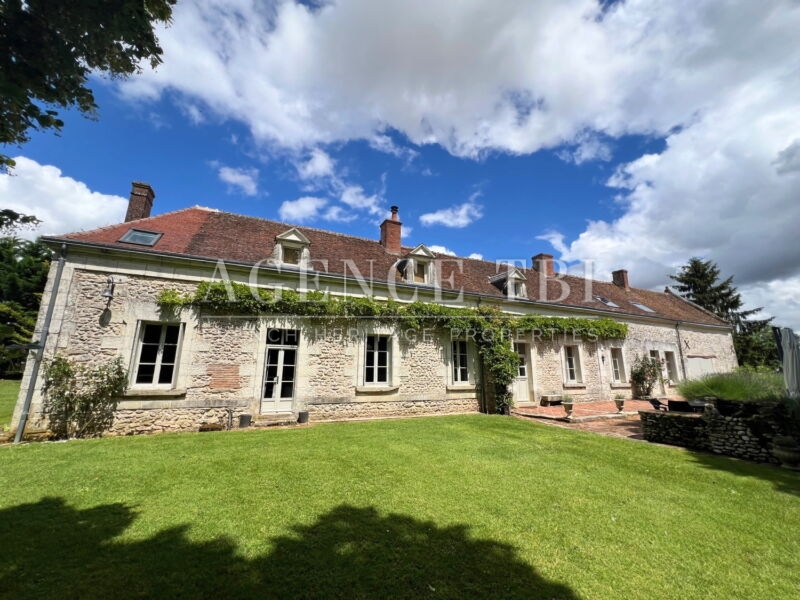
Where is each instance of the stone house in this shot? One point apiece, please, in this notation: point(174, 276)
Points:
point(188, 368)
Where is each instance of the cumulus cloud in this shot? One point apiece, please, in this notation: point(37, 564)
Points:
point(458, 216)
point(63, 204)
point(476, 256)
point(318, 165)
point(301, 210)
point(384, 143)
point(242, 179)
point(441, 250)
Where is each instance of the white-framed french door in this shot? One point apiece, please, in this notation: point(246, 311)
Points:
point(280, 371)
point(521, 387)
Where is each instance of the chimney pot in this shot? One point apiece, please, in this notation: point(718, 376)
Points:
point(141, 201)
point(392, 232)
point(543, 263)
point(620, 279)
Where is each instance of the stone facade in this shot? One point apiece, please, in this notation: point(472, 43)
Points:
point(220, 366)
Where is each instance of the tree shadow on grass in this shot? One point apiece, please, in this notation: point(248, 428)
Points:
point(783, 480)
point(51, 550)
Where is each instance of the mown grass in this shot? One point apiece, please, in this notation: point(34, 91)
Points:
point(742, 384)
point(451, 507)
point(8, 397)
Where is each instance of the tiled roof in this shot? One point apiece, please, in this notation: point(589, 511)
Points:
point(211, 234)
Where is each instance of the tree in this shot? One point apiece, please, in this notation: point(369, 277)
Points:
point(23, 274)
point(699, 282)
point(49, 48)
point(11, 220)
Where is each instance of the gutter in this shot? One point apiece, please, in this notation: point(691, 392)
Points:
point(680, 348)
point(40, 345)
point(422, 289)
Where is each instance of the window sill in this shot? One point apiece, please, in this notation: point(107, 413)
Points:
point(574, 386)
point(154, 393)
point(461, 387)
point(376, 389)
point(620, 386)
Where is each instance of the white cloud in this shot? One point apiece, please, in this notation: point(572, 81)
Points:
point(476, 256)
point(441, 250)
point(339, 215)
point(318, 165)
point(587, 147)
point(63, 204)
point(243, 179)
point(301, 210)
point(355, 197)
point(384, 143)
point(456, 216)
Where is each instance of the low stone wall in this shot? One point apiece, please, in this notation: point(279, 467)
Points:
point(749, 438)
point(325, 411)
point(136, 421)
point(676, 429)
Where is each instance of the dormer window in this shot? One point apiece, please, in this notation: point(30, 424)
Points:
point(511, 282)
point(418, 266)
point(291, 248)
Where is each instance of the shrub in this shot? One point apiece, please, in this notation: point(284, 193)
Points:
point(645, 372)
point(741, 384)
point(80, 400)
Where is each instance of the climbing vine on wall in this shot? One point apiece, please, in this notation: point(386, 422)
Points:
point(491, 329)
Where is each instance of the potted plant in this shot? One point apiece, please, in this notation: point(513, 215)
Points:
point(619, 400)
point(645, 373)
point(567, 402)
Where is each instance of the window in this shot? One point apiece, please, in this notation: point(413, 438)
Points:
point(291, 256)
point(140, 237)
point(376, 363)
point(606, 301)
point(672, 366)
point(158, 354)
point(641, 306)
point(654, 354)
point(521, 349)
point(460, 365)
point(519, 289)
point(617, 365)
point(420, 272)
point(572, 364)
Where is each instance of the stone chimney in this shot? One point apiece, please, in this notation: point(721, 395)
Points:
point(620, 279)
point(141, 202)
point(391, 232)
point(544, 264)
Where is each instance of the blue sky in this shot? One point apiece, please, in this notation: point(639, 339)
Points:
point(633, 137)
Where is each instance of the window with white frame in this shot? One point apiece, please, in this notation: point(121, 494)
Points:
point(617, 365)
point(157, 354)
point(376, 360)
point(460, 360)
point(572, 364)
point(521, 349)
point(291, 255)
point(672, 366)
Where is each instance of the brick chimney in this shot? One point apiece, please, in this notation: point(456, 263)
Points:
point(391, 232)
point(141, 202)
point(620, 279)
point(544, 264)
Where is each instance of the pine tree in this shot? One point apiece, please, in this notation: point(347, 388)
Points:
point(699, 282)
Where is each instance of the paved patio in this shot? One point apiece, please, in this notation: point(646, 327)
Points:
point(598, 417)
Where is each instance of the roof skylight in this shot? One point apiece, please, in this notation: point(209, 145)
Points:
point(641, 306)
point(606, 301)
point(141, 237)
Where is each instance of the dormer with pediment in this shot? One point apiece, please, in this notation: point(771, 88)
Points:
point(291, 248)
point(418, 266)
point(511, 282)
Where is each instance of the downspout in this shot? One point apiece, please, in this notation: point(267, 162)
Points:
point(37, 361)
point(680, 348)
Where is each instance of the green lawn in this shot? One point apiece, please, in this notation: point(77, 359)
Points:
point(450, 507)
point(8, 398)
